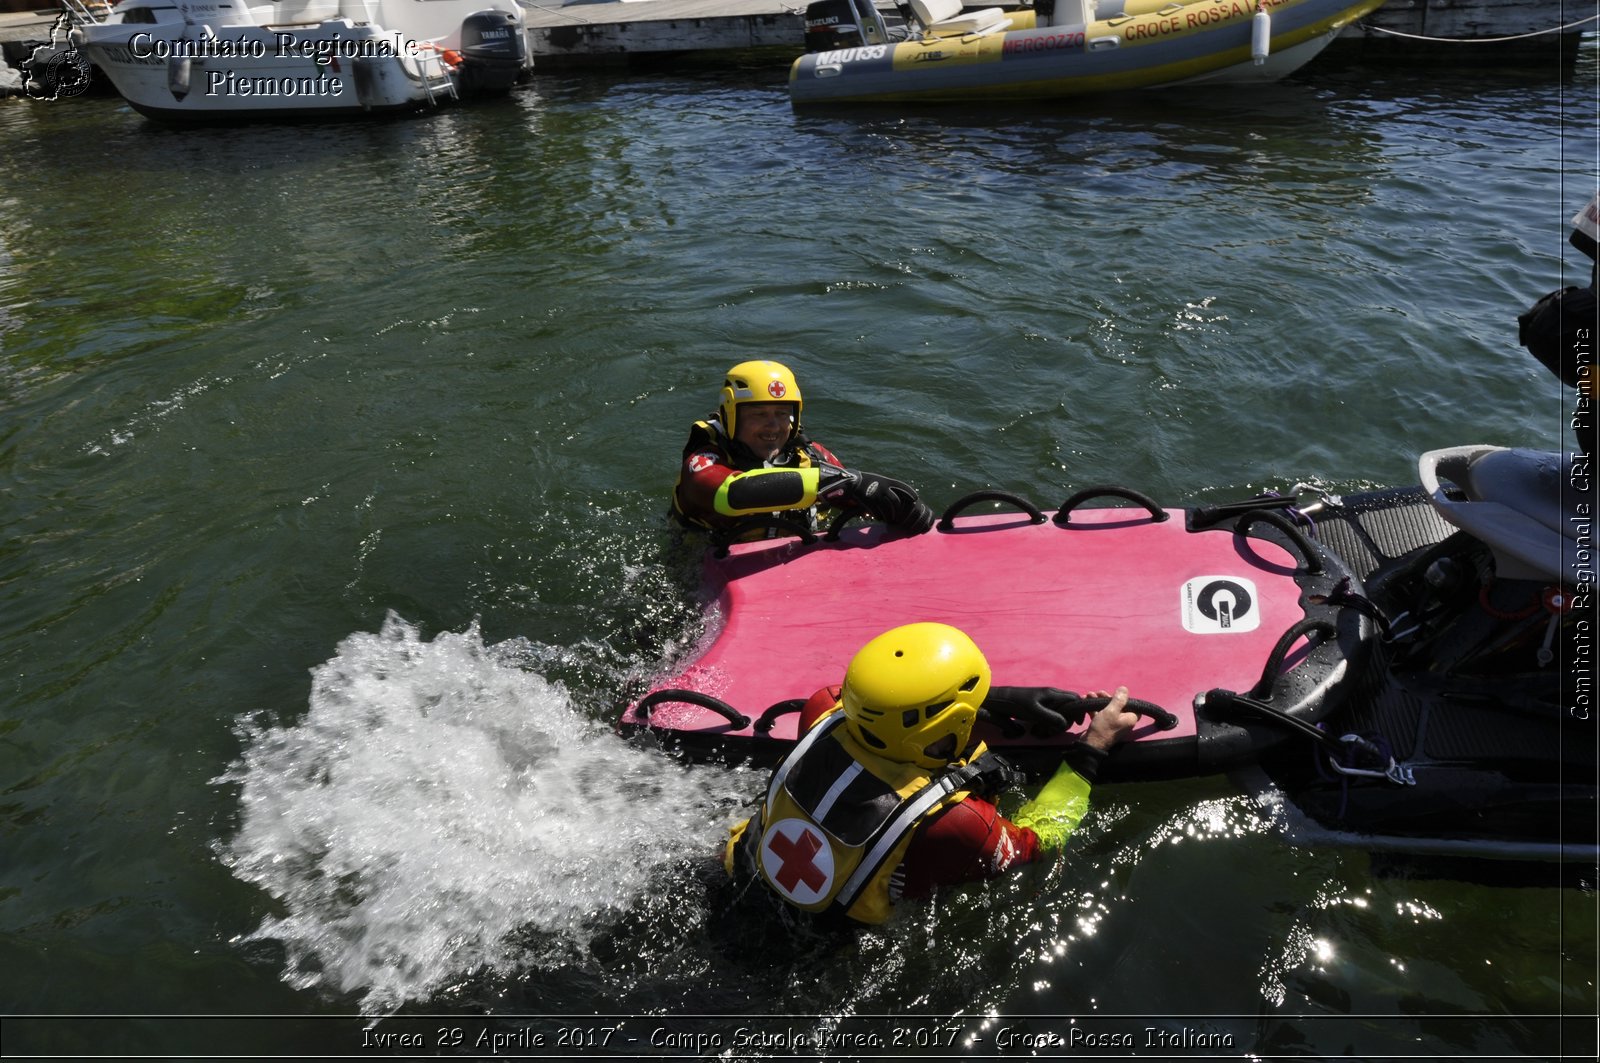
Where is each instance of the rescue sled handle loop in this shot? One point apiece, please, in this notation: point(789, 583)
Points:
point(947, 520)
point(691, 697)
point(1063, 515)
point(1165, 721)
point(1308, 553)
point(770, 717)
point(1280, 649)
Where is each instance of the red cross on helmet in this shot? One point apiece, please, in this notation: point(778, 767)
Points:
point(759, 381)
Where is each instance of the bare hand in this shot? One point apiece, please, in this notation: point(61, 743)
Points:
point(1113, 723)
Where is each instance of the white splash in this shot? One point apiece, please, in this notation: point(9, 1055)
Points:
point(441, 810)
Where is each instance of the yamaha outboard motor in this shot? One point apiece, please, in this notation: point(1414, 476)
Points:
point(494, 52)
point(834, 24)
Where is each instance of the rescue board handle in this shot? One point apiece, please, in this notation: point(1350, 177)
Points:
point(691, 697)
point(1090, 706)
point(1165, 721)
point(770, 717)
point(1308, 553)
point(946, 521)
point(1280, 650)
point(1063, 515)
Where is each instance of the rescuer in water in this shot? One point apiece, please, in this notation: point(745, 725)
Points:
point(752, 459)
point(887, 796)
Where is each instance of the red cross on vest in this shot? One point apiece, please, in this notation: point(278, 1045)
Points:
point(797, 856)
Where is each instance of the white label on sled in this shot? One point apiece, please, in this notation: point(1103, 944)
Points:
point(1220, 605)
point(797, 860)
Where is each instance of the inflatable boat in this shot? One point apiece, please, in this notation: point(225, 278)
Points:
point(938, 52)
point(1412, 662)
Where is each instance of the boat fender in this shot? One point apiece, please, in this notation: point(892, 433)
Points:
point(365, 79)
point(1260, 35)
point(180, 69)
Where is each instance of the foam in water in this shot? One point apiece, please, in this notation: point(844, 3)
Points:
point(440, 811)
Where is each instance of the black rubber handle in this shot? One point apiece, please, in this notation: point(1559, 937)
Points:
point(1308, 553)
point(946, 521)
point(691, 697)
point(770, 717)
point(1063, 515)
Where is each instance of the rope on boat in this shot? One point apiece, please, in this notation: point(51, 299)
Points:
point(1482, 40)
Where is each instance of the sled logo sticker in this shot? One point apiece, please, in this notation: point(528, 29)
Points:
point(1219, 605)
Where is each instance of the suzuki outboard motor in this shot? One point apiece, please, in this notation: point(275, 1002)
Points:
point(494, 52)
point(834, 24)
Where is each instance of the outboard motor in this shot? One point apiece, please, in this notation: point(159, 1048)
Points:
point(494, 52)
point(832, 24)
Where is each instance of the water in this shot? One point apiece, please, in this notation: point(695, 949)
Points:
point(334, 463)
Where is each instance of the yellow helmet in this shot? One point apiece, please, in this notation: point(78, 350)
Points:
point(757, 382)
point(912, 694)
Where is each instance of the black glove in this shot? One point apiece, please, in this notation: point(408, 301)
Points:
point(884, 498)
point(1044, 711)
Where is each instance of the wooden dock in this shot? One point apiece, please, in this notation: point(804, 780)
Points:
point(583, 32)
point(17, 26)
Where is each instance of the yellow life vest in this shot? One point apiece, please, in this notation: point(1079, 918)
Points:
point(837, 820)
point(708, 435)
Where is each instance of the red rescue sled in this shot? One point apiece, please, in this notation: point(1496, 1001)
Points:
point(1185, 607)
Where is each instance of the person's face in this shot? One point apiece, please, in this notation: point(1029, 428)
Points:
point(764, 427)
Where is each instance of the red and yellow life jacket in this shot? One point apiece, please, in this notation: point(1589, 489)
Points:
point(837, 820)
point(708, 435)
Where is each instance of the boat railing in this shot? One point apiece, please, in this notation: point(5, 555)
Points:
point(83, 12)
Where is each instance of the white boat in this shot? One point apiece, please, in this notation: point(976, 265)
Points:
point(1062, 48)
point(227, 60)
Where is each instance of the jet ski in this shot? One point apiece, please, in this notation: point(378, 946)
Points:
point(1483, 720)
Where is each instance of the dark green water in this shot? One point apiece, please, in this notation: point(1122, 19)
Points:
point(333, 464)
